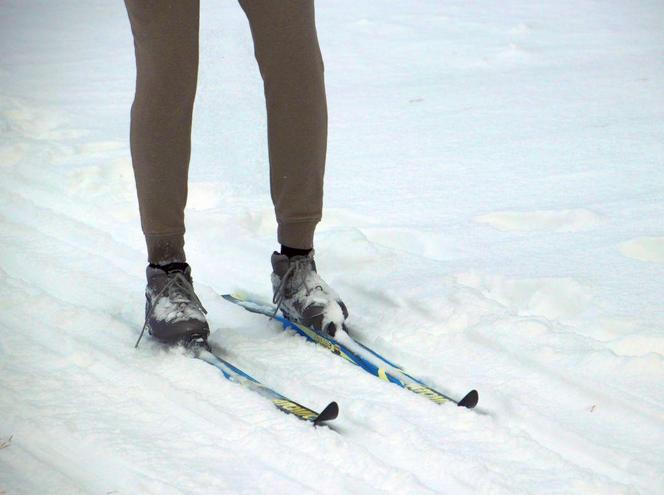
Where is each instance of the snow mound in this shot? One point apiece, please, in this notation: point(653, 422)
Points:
point(551, 298)
point(543, 220)
point(644, 249)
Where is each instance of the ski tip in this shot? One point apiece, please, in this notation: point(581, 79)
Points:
point(470, 400)
point(328, 414)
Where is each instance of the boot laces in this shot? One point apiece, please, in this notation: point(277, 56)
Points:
point(179, 291)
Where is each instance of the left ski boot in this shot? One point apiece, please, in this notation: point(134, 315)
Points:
point(303, 296)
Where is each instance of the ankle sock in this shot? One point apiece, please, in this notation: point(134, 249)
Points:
point(170, 267)
point(290, 252)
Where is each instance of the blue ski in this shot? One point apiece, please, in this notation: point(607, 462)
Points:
point(231, 372)
point(357, 353)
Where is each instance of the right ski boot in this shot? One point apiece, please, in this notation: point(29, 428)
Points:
point(173, 312)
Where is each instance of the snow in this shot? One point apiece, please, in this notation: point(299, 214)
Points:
point(553, 221)
point(493, 221)
point(644, 249)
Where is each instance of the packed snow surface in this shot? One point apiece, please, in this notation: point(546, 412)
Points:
point(494, 220)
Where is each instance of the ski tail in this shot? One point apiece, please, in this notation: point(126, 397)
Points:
point(470, 400)
point(330, 412)
point(288, 406)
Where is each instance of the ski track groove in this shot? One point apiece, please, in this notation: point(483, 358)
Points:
point(61, 219)
point(587, 389)
point(535, 427)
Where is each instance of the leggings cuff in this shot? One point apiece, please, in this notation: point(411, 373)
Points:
point(165, 248)
point(298, 235)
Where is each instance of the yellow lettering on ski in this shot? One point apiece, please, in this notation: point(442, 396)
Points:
point(297, 410)
point(427, 392)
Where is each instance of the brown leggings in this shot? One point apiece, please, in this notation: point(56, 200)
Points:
point(286, 48)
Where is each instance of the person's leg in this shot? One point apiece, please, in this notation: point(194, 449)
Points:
point(166, 46)
point(286, 47)
point(290, 62)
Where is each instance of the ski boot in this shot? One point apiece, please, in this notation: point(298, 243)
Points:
point(303, 296)
point(173, 312)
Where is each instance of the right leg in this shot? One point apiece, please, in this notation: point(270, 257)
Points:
point(166, 46)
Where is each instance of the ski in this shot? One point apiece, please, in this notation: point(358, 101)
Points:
point(201, 350)
point(357, 353)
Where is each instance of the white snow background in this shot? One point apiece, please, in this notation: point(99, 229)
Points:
point(494, 220)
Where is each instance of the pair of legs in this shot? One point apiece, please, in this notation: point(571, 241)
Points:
point(166, 36)
point(286, 48)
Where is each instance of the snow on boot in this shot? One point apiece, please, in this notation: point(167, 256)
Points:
point(173, 312)
point(303, 296)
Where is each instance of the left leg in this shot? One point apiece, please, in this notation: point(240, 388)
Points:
point(290, 62)
point(289, 58)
